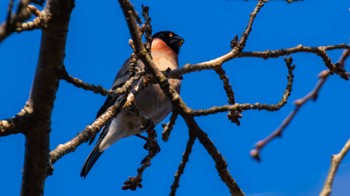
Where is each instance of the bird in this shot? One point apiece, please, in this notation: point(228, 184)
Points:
point(165, 47)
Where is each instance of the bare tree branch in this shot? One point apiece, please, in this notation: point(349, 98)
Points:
point(335, 162)
point(320, 51)
point(177, 103)
point(153, 148)
point(211, 64)
point(124, 101)
point(16, 124)
point(220, 163)
point(256, 106)
point(89, 132)
point(9, 11)
point(343, 57)
point(34, 120)
point(323, 75)
point(241, 43)
point(42, 97)
point(237, 49)
point(234, 116)
point(41, 20)
point(97, 88)
point(168, 127)
point(181, 168)
point(9, 26)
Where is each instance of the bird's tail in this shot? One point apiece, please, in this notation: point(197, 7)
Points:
point(90, 161)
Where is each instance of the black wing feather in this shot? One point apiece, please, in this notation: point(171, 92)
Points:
point(119, 80)
point(121, 77)
point(94, 155)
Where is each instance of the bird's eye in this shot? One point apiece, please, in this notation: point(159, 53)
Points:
point(171, 35)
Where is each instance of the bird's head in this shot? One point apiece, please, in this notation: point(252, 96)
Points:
point(173, 40)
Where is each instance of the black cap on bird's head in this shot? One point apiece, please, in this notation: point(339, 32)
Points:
point(173, 40)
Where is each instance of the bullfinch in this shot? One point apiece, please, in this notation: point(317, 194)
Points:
point(165, 47)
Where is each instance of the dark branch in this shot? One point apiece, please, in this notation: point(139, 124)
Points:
point(18, 123)
point(323, 75)
point(85, 135)
point(41, 20)
point(181, 168)
point(220, 162)
point(153, 148)
point(234, 116)
point(212, 64)
point(256, 106)
point(97, 88)
point(320, 51)
point(9, 26)
point(43, 94)
point(168, 127)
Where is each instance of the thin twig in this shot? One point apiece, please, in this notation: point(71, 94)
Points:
point(335, 162)
point(256, 106)
point(18, 123)
point(241, 43)
point(343, 57)
point(9, 11)
point(125, 101)
point(151, 145)
point(89, 132)
point(147, 28)
point(320, 51)
point(168, 127)
point(153, 148)
point(41, 20)
point(181, 168)
point(97, 88)
point(12, 20)
point(312, 95)
point(211, 64)
point(220, 162)
point(234, 116)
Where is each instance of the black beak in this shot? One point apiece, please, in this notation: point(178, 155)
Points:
point(178, 41)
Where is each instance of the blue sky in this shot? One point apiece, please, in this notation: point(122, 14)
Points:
point(97, 45)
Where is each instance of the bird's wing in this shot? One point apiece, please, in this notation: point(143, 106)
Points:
point(121, 77)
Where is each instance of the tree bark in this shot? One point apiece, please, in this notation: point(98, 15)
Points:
point(42, 96)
